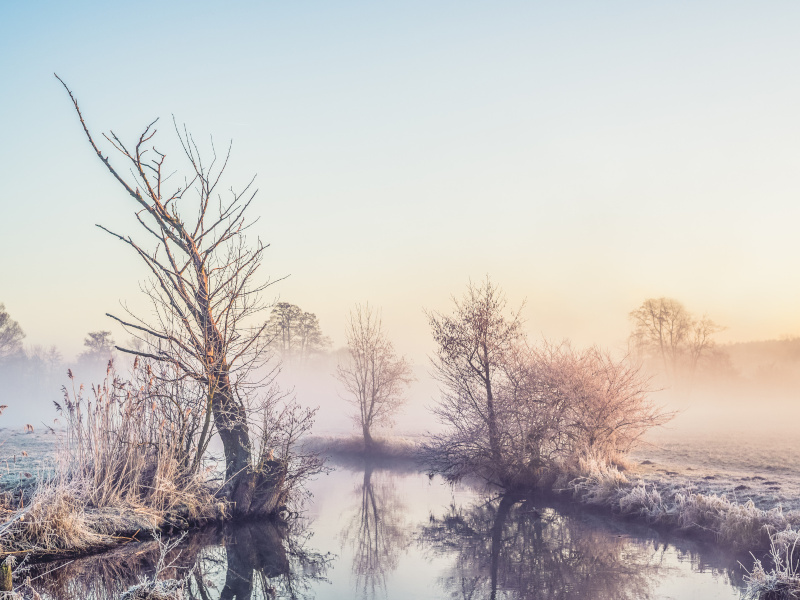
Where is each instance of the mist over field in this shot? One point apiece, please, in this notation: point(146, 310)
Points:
point(739, 394)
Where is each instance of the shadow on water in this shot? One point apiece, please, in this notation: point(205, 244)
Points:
point(380, 532)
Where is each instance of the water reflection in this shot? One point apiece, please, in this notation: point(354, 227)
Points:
point(235, 562)
point(377, 532)
point(508, 548)
point(399, 535)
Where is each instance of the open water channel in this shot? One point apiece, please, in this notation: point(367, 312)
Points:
point(388, 531)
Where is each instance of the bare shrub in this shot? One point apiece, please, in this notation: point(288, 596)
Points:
point(518, 415)
point(603, 402)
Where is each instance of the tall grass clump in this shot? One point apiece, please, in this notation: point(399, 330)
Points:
point(127, 464)
point(130, 443)
point(782, 581)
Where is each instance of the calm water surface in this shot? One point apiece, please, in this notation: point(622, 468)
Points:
point(387, 531)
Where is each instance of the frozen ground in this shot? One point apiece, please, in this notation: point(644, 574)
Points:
point(25, 455)
point(738, 464)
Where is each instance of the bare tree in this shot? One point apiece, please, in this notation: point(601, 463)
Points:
point(474, 345)
point(702, 344)
point(373, 375)
point(206, 297)
point(11, 334)
point(663, 329)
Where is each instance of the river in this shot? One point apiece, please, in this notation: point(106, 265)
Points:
point(388, 531)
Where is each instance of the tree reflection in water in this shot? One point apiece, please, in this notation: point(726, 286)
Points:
point(260, 561)
point(377, 532)
point(235, 562)
point(507, 548)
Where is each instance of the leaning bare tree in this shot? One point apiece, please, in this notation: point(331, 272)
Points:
point(373, 375)
point(205, 294)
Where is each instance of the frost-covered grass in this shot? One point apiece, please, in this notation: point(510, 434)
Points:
point(680, 503)
point(782, 580)
point(113, 471)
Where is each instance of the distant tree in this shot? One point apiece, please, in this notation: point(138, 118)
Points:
point(99, 347)
point(311, 340)
point(702, 345)
point(11, 335)
point(295, 333)
point(373, 376)
point(664, 330)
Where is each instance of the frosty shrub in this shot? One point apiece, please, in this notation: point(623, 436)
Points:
point(518, 415)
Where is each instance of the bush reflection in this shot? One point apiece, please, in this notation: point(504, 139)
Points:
point(506, 547)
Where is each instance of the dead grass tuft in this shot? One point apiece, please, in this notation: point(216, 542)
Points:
point(119, 470)
point(782, 581)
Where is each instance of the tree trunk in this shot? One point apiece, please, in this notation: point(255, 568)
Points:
point(231, 421)
point(253, 492)
point(491, 415)
point(368, 442)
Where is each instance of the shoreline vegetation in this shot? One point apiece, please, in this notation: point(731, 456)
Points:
point(623, 489)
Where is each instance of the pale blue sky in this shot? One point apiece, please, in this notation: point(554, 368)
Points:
point(586, 155)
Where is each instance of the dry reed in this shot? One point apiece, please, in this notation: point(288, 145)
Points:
point(122, 468)
point(782, 581)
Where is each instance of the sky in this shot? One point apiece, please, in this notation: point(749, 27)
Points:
point(585, 155)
